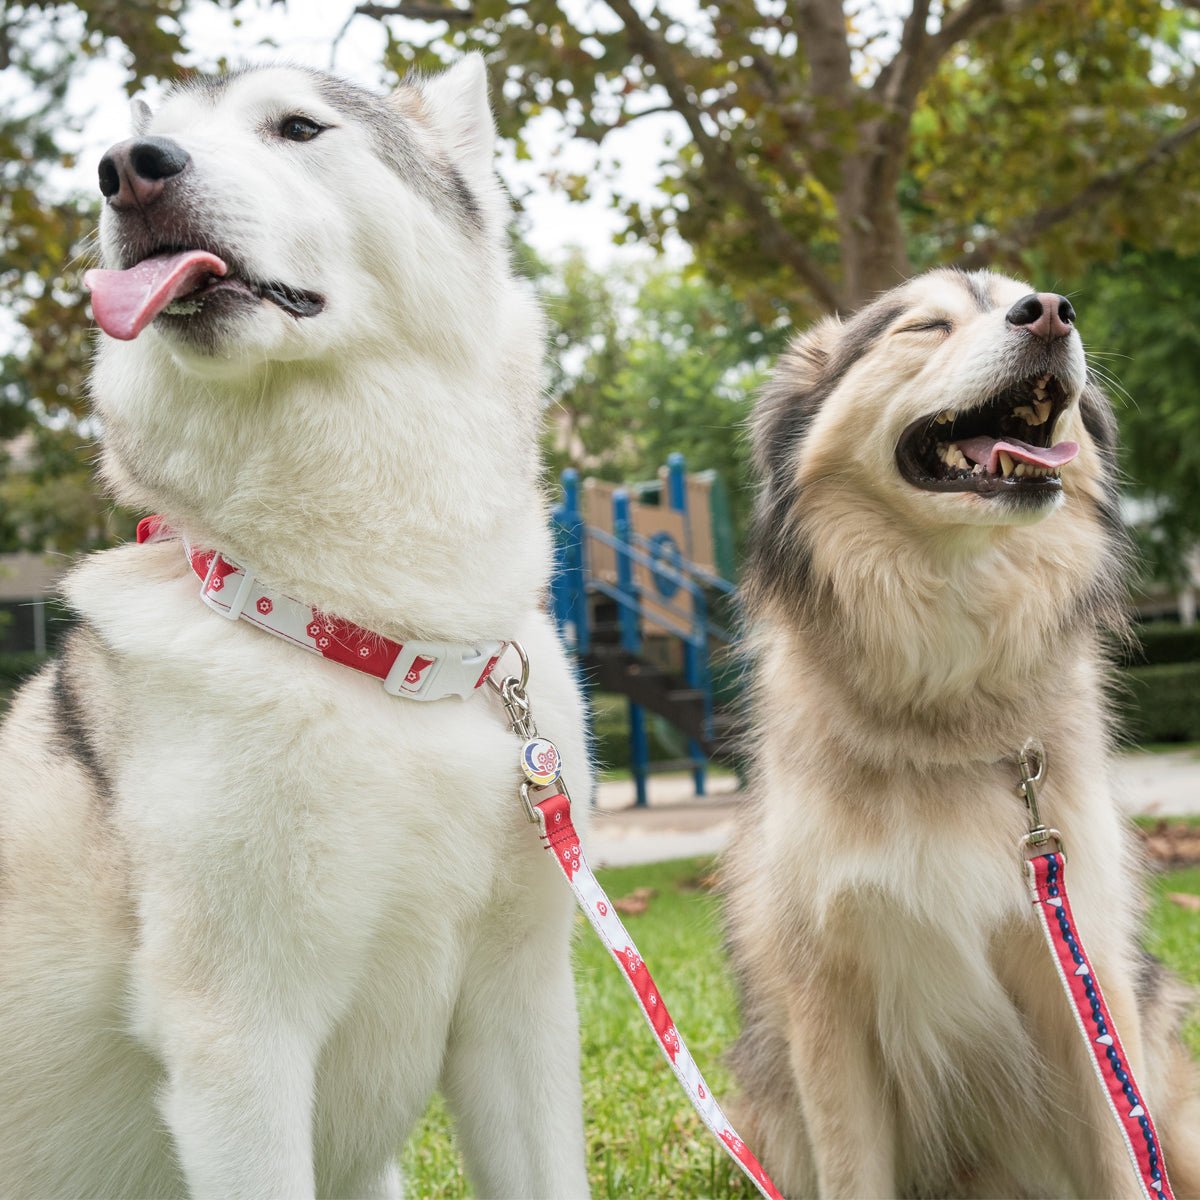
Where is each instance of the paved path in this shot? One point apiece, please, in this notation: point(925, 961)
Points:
point(678, 825)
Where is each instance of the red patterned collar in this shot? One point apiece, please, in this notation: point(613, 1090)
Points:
point(415, 670)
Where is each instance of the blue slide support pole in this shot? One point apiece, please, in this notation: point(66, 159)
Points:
point(575, 612)
point(695, 653)
point(575, 604)
point(629, 611)
point(560, 582)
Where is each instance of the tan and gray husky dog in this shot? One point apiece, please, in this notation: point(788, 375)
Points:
point(253, 909)
point(936, 551)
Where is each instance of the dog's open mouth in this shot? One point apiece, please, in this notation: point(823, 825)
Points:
point(181, 283)
point(1003, 446)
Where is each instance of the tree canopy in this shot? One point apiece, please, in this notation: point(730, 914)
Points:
point(1142, 329)
point(828, 155)
point(649, 361)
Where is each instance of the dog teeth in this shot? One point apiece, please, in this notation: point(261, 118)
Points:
point(1026, 414)
point(1021, 469)
point(1006, 463)
point(946, 417)
point(1043, 412)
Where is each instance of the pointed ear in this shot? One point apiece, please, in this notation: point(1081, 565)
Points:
point(792, 397)
point(140, 114)
point(456, 103)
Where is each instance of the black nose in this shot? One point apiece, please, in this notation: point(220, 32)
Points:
point(133, 173)
point(1046, 315)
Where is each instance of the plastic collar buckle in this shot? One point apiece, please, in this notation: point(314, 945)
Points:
point(230, 606)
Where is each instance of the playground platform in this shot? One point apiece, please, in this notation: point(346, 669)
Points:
point(679, 824)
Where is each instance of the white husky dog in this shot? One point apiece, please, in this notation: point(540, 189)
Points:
point(253, 908)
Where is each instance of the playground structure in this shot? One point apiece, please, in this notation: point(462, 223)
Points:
point(643, 596)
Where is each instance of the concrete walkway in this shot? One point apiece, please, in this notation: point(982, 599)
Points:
point(677, 824)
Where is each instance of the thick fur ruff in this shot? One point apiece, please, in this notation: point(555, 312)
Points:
point(253, 910)
point(905, 1033)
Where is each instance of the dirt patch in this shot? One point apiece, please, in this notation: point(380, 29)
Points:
point(1172, 844)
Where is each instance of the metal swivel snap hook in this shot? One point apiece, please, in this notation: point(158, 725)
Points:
point(1031, 761)
point(540, 761)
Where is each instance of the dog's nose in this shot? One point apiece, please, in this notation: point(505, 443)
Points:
point(133, 173)
point(1046, 315)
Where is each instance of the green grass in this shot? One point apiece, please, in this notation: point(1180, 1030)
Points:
point(1155, 822)
point(643, 1138)
point(1174, 935)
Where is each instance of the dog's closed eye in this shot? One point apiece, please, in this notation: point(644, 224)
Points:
point(938, 325)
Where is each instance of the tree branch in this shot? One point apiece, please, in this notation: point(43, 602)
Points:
point(894, 84)
point(1102, 188)
point(594, 131)
point(416, 12)
point(721, 162)
point(826, 46)
point(901, 80)
point(969, 18)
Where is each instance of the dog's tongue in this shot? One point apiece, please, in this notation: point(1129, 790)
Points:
point(125, 302)
point(986, 450)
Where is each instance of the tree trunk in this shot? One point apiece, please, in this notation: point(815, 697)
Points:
point(873, 251)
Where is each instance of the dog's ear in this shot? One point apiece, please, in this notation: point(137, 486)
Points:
point(791, 398)
point(140, 114)
point(809, 355)
point(456, 102)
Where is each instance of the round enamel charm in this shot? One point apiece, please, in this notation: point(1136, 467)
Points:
point(540, 762)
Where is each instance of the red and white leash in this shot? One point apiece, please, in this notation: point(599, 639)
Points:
point(542, 767)
point(433, 671)
point(1046, 875)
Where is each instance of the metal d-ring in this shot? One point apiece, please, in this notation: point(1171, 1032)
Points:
point(519, 683)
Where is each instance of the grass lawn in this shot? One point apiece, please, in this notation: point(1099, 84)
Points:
point(643, 1138)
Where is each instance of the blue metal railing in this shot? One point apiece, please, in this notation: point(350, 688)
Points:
point(673, 573)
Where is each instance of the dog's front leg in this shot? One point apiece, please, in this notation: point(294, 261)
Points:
point(842, 1094)
point(238, 1103)
point(234, 994)
point(511, 1075)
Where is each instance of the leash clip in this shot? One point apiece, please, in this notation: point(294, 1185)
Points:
point(541, 763)
point(1031, 762)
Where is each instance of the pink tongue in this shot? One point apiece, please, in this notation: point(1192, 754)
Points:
point(125, 302)
point(986, 450)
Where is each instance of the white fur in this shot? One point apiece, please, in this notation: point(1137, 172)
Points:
point(305, 903)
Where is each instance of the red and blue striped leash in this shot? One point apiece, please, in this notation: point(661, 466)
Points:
point(542, 768)
point(1045, 872)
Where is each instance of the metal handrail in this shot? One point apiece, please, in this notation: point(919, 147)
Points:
point(706, 577)
point(623, 598)
point(664, 569)
point(654, 565)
